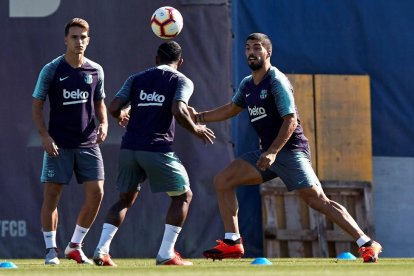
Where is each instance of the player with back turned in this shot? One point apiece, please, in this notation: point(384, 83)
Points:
point(157, 97)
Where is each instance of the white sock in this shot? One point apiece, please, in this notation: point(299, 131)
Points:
point(362, 240)
point(171, 233)
point(79, 234)
point(50, 239)
point(108, 233)
point(232, 236)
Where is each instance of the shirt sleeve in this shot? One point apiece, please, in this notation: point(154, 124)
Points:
point(185, 89)
point(239, 98)
point(125, 91)
point(100, 89)
point(283, 93)
point(43, 82)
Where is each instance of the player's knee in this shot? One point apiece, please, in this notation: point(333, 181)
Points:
point(96, 195)
point(94, 200)
point(223, 182)
point(99, 194)
point(52, 188)
point(188, 196)
point(126, 202)
point(220, 178)
point(314, 198)
point(127, 199)
point(185, 198)
point(51, 195)
point(317, 203)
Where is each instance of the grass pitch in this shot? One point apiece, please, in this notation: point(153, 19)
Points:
point(203, 267)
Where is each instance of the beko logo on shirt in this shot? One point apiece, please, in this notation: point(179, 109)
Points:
point(260, 112)
point(75, 97)
point(151, 98)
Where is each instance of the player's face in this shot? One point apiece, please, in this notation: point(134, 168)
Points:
point(256, 54)
point(77, 40)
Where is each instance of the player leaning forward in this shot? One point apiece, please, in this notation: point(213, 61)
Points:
point(157, 97)
point(75, 88)
point(268, 96)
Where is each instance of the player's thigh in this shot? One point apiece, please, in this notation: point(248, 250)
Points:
point(165, 172)
point(58, 169)
point(295, 169)
point(89, 164)
point(238, 172)
point(130, 172)
point(243, 171)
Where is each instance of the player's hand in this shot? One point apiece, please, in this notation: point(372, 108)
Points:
point(49, 146)
point(205, 134)
point(123, 121)
point(123, 118)
point(101, 132)
point(266, 159)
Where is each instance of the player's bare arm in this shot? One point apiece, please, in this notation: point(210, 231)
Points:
point(219, 114)
point(102, 129)
point(288, 127)
point(183, 117)
point(120, 110)
point(192, 112)
point(47, 142)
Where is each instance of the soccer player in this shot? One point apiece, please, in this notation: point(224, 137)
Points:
point(268, 96)
point(147, 104)
point(75, 88)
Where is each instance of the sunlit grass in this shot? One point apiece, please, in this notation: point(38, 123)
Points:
point(303, 266)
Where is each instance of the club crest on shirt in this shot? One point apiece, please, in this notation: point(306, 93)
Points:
point(263, 94)
point(88, 78)
point(50, 173)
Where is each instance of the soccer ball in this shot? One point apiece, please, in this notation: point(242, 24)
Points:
point(167, 22)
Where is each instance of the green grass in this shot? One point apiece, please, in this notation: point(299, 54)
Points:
point(304, 266)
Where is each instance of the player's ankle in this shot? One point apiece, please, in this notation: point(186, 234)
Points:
point(73, 244)
point(367, 244)
point(232, 242)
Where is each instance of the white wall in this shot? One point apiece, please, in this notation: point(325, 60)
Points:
point(394, 205)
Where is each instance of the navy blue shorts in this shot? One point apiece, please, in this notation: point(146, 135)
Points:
point(293, 167)
point(86, 163)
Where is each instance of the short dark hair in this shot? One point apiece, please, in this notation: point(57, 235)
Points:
point(262, 38)
point(78, 22)
point(169, 52)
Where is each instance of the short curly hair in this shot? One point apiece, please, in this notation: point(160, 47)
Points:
point(169, 51)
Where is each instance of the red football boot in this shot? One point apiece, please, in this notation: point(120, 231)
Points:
point(370, 253)
point(223, 251)
point(175, 260)
point(103, 259)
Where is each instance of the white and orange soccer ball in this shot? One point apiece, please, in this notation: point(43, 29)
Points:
point(166, 22)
